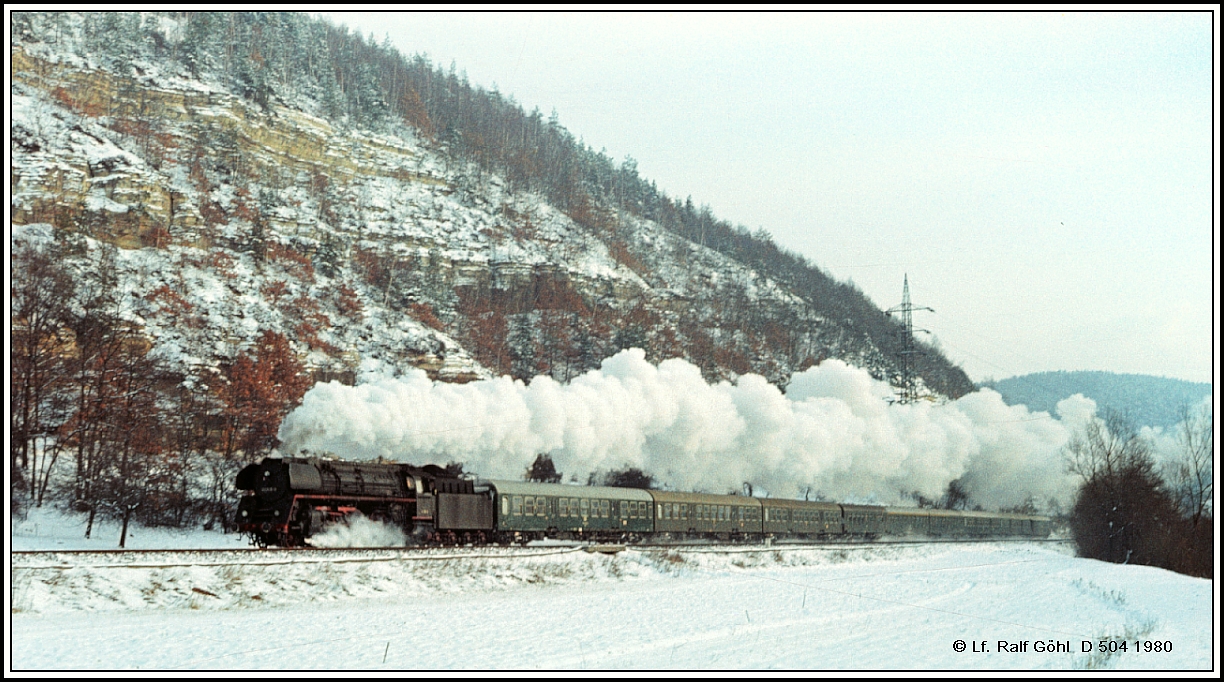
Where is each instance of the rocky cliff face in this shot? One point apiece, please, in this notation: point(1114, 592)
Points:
point(371, 251)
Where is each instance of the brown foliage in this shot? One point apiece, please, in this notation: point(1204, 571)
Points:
point(424, 314)
point(242, 207)
point(621, 254)
point(349, 303)
point(213, 213)
point(273, 292)
point(172, 304)
point(414, 112)
point(312, 320)
point(221, 262)
point(258, 391)
point(372, 266)
point(298, 264)
point(488, 335)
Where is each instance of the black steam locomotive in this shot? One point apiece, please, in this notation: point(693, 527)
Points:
point(289, 500)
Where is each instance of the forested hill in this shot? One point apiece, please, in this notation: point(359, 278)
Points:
point(1148, 400)
point(239, 174)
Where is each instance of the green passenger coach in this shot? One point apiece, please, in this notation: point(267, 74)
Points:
point(537, 510)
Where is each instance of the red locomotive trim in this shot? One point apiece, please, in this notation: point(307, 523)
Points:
point(337, 499)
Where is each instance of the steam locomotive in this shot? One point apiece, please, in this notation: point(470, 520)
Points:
point(287, 501)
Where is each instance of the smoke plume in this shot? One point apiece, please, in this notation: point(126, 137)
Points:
point(832, 432)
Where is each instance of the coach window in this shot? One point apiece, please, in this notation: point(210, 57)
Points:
point(563, 506)
point(505, 506)
point(529, 506)
point(518, 505)
point(586, 506)
point(542, 506)
point(603, 508)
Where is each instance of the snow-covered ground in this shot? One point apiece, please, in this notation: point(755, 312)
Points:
point(837, 607)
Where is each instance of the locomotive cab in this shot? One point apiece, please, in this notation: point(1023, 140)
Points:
point(289, 500)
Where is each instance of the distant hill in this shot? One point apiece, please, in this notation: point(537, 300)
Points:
point(1151, 401)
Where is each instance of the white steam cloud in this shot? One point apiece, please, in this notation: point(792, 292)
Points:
point(832, 430)
point(358, 531)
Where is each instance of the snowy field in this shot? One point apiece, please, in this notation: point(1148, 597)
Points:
point(881, 607)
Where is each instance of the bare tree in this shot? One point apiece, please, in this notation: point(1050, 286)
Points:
point(1105, 447)
point(629, 477)
point(1122, 512)
point(128, 468)
point(542, 470)
point(41, 296)
point(1190, 475)
point(955, 497)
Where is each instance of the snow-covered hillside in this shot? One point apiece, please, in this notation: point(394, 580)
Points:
point(240, 206)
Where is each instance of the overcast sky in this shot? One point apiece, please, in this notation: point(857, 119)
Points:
point(1045, 180)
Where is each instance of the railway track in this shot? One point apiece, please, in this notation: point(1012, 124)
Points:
point(167, 558)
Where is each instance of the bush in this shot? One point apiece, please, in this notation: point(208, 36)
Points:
point(1123, 512)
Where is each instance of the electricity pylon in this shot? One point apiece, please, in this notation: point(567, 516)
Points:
point(909, 352)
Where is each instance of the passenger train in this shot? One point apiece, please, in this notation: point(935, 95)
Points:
point(289, 500)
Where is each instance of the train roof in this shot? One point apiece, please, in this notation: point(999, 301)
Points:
point(783, 503)
point(926, 511)
point(704, 498)
point(560, 490)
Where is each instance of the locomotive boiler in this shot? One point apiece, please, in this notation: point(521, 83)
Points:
point(288, 500)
